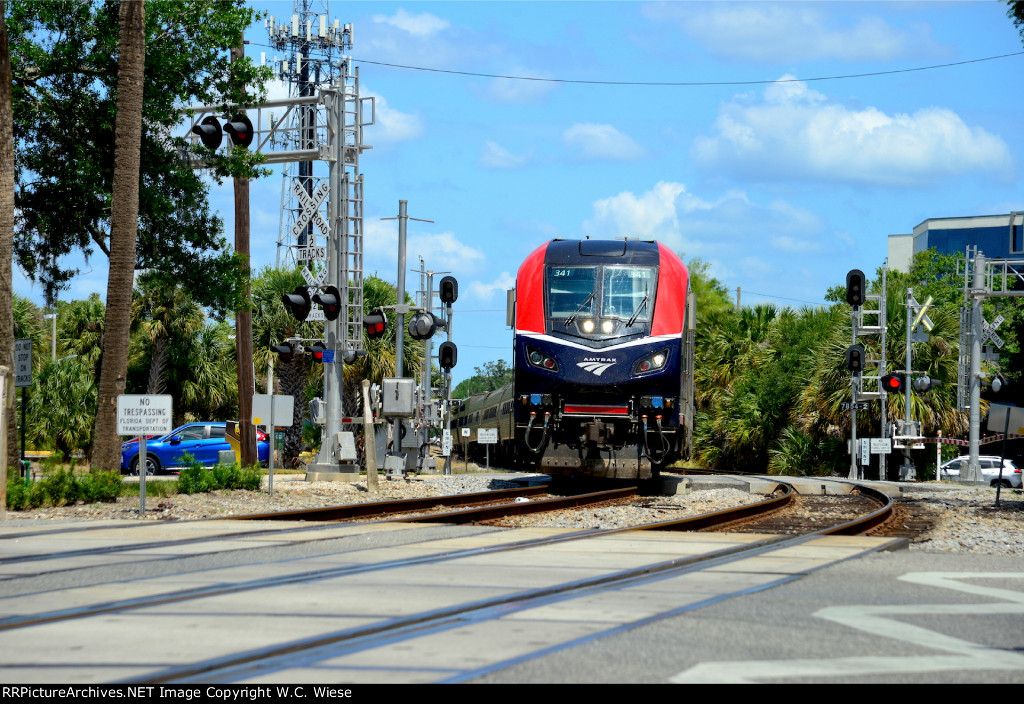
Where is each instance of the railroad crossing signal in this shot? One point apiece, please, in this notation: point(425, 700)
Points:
point(424, 325)
point(298, 302)
point(894, 383)
point(329, 298)
point(925, 383)
point(238, 128)
point(288, 351)
point(375, 323)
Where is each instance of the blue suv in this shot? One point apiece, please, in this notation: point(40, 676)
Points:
point(203, 441)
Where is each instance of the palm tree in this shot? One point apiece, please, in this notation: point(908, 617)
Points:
point(124, 225)
point(6, 231)
point(204, 375)
point(62, 407)
point(272, 324)
point(161, 313)
point(80, 330)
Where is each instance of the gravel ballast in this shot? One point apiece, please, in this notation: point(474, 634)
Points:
point(965, 520)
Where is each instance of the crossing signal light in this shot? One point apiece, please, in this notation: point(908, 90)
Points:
point(287, 351)
point(855, 358)
point(239, 129)
point(317, 350)
point(209, 132)
point(855, 284)
point(329, 298)
point(447, 355)
point(925, 383)
point(298, 302)
point(894, 383)
point(375, 323)
point(424, 325)
point(448, 290)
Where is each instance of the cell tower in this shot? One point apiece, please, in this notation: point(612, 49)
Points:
point(312, 48)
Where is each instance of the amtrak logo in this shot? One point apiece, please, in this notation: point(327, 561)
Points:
point(596, 365)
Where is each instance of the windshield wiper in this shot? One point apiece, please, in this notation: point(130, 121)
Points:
point(571, 318)
point(636, 313)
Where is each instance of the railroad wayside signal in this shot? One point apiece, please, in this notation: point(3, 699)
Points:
point(855, 288)
point(855, 358)
point(447, 355)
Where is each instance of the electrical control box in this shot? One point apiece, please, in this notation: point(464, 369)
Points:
point(397, 397)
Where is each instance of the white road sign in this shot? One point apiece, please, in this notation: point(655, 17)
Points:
point(311, 208)
point(487, 436)
point(22, 362)
point(881, 446)
point(144, 414)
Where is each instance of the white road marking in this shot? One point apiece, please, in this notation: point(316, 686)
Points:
point(879, 621)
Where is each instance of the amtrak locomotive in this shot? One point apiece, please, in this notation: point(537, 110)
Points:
point(603, 346)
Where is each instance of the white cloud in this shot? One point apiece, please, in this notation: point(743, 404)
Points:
point(728, 228)
point(795, 32)
point(421, 25)
point(649, 216)
point(494, 156)
point(392, 125)
point(601, 142)
point(482, 291)
point(441, 251)
point(792, 132)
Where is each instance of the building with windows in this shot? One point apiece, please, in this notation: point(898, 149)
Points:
point(996, 236)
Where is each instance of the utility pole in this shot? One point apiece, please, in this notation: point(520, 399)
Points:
point(243, 316)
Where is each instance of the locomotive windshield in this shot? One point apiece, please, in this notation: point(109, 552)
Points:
point(628, 293)
point(581, 292)
point(571, 290)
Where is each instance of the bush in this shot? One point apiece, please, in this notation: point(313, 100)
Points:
point(58, 487)
point(197, 478)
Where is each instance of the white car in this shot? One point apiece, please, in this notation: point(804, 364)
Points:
point(989, 469)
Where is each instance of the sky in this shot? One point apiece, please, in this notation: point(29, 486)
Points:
point(778, 163)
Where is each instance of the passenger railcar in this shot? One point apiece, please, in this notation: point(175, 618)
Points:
point(603, 347)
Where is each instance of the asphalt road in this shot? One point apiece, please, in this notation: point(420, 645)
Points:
point(895, 617)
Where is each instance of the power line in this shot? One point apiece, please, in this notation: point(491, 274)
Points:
point(783, 298)
point(691, 83)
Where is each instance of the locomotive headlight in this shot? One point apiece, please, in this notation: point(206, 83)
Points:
point(588, 326)
point(651, 363)
point(607, 326)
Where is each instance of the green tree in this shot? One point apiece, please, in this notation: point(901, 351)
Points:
point(65, 86)
point(492, 376)
point(161, 313)
point(62, 407)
